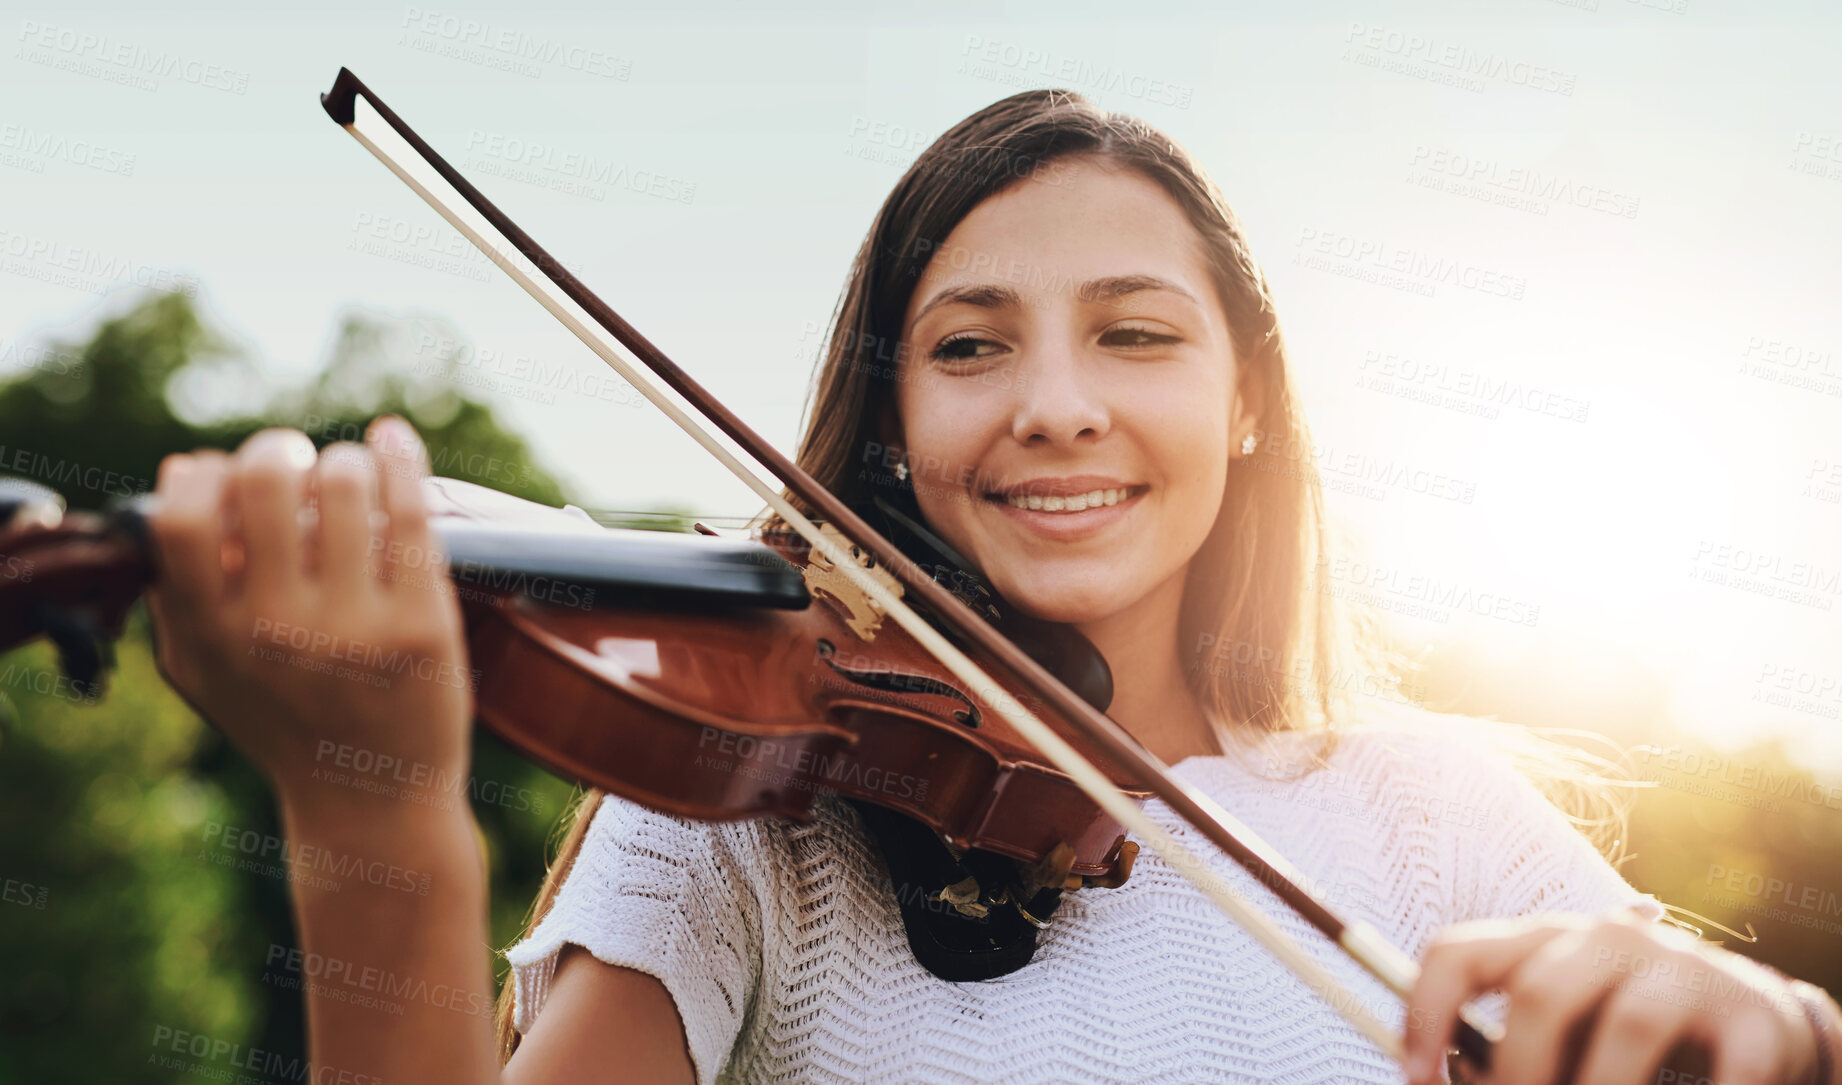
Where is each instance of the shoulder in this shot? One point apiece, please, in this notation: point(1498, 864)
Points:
point(1434, 755)
point(1489, 790)
point(641, 838)
point(638, 873)
point(1393, 817)
point(761, 867)
point(673, 897)
point(1447, 767)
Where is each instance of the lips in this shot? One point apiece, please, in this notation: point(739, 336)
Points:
point(1070, 517)
point(1067, 493)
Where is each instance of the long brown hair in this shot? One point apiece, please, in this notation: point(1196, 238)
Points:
point(1269, 648)
point(1247, 620)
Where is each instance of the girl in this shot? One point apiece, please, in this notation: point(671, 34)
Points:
point(1056, 352)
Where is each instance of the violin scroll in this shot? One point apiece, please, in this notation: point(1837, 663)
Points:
point(69, 577)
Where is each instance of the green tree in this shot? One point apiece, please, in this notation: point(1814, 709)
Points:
point(120, 925)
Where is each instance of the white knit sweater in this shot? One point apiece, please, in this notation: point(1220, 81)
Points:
point(782, 945)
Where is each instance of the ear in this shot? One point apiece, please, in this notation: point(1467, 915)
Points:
point(889, 426)
point(1245, 410)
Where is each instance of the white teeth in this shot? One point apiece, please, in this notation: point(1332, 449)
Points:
point(1070, 502)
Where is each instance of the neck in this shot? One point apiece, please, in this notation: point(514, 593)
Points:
point(1151, 699)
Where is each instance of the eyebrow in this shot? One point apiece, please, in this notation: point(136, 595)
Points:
point(1107, 289)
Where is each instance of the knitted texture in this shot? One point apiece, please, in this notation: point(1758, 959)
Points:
point(783, 948)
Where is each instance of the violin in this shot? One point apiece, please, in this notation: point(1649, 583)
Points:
point(720, 678)
point(708, 677)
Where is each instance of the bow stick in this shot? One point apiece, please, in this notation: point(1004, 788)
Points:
point(360, 112)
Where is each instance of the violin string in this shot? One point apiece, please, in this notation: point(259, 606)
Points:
point(615, 516)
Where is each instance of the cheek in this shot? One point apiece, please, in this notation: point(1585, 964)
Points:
point(1186, 431)
point(1189, 443)
point(946, 433)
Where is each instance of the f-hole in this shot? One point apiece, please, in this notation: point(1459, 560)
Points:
point(900, 682)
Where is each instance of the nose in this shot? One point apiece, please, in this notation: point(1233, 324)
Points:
point(1059, 400)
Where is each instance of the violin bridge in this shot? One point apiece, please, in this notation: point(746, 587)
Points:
point(861, 612)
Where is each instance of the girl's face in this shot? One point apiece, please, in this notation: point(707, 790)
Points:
point(1065, 394)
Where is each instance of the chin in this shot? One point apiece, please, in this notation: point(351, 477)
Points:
point(1069, 606)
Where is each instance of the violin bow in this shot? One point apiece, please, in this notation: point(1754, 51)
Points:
point(357, 109)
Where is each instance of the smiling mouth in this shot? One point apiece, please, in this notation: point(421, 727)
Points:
point(1068, 502)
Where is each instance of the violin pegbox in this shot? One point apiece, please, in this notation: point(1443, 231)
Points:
point(862, 613)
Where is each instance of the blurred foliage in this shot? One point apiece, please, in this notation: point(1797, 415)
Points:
point(115, 924)
point(1724, 838)
point(1749, 841)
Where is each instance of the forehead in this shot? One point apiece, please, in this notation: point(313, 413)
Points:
point(1043, 238)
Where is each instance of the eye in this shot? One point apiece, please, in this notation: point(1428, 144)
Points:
point(960, 348)
point(1130, 337)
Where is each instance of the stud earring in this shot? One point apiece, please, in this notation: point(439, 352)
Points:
point(901, 471)
point(1247, 444)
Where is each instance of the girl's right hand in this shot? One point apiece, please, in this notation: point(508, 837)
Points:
point(331, 653)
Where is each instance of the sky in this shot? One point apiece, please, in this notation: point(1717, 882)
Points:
point(1559, 278)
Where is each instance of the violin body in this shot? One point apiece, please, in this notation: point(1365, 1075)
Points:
point(741, 713)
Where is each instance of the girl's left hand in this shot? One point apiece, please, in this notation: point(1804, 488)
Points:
point(1617, 992)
